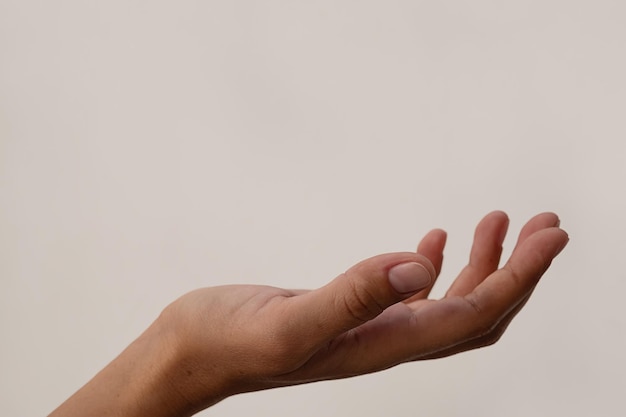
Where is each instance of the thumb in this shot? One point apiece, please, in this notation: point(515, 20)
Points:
point(362, 293)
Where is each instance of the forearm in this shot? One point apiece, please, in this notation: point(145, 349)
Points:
point(149, 378)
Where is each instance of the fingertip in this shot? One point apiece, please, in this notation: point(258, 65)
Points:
point(439, 237)
point(440, 232)
point(431, 248)
point(504, 228)
point(539, 222)
point(436, 238)
point(547, 218)
point(495, 217)
point(565, 241)
point(537, 251)
point(492, 228)
point(499, 213)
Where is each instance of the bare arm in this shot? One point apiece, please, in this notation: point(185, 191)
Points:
point(216, 342)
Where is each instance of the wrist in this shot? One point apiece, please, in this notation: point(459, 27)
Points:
point(153, 380)
point(182, 381)
point(154, 375)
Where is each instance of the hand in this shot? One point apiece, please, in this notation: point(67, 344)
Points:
point(220, 341)
point(262, 337)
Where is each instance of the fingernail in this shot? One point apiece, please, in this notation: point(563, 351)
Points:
point(409, 277)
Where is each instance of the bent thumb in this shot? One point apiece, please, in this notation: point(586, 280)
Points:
point(363, 292)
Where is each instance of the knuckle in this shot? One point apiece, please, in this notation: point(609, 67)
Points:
point(360, 303)
point(484, 326)
point(474, 304)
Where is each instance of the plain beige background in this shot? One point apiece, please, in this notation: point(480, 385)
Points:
point(150, 148)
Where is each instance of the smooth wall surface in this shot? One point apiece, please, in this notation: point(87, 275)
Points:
point(150, 148)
